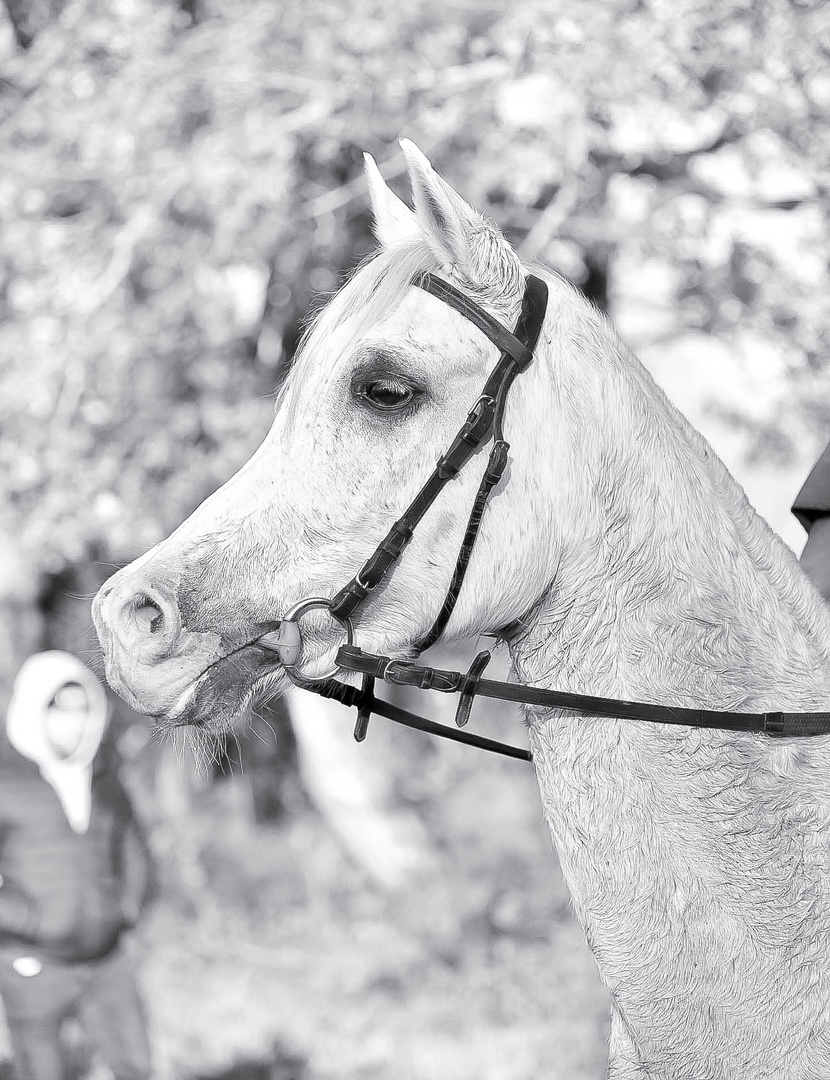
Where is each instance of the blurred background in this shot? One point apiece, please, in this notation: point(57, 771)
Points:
point(180, 184)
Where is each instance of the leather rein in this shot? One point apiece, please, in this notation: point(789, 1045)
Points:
point(484, 422)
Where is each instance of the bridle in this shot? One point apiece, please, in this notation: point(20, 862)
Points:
point(484, 422)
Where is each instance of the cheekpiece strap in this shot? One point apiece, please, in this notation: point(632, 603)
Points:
point(516, 353)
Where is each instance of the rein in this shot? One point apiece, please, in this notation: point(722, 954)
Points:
point(483, 423)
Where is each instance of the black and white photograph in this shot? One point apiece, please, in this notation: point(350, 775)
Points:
point(414, 540)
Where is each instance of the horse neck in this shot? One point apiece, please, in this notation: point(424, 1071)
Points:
point(686, 852)
point(671, 586)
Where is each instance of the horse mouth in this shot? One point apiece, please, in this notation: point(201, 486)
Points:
point(216, 699)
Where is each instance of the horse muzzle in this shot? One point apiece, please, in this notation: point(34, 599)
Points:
point(151, 658)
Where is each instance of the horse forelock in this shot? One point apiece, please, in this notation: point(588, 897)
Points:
point(374, 289)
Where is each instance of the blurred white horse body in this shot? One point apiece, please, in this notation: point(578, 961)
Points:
point(698, 861)
point(356, 801)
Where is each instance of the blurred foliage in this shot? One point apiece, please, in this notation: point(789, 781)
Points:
point(476, 972)
point(180, 180)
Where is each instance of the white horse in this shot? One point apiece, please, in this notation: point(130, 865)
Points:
point(698, 860)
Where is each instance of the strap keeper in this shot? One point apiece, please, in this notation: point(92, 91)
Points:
point(476, 428)
point(353, 658)
point(364, 705)
point(373, 571)
point(496, 463)
point(469, 687)
point(774, 724)
point(388, 550)
point(350, 596)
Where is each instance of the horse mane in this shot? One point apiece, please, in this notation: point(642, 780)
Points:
point(767, 550)
point(771, 556)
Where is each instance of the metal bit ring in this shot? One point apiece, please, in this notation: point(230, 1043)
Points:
point(286, 651)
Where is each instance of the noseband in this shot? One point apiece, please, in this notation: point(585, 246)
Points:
point(484, 422)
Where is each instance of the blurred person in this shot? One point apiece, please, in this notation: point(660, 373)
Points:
point(812, 508)
point(74, 876)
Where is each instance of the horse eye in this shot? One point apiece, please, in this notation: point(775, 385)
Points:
point(386, 393)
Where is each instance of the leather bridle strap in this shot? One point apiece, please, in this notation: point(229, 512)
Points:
point(518, 344)
point(527, 331)
point(363, 699)
point(471, 685)
point(483, 422)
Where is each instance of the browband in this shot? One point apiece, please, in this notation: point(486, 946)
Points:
point(521, 351)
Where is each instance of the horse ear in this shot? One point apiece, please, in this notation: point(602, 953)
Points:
point(463, 240)
point(394, 221)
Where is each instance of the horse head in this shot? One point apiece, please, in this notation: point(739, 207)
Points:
point(379, 387)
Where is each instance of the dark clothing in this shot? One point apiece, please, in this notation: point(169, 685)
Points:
point(74, 875)
point(101, 994)
point(813, 501)
point(66, 895)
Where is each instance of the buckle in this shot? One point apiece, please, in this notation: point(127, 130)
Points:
point(403, 673)
point(408, 673)
point(475, 430)
point(365, 586)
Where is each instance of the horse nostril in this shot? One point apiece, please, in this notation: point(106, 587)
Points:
point(146, 615)
point(143, 618)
